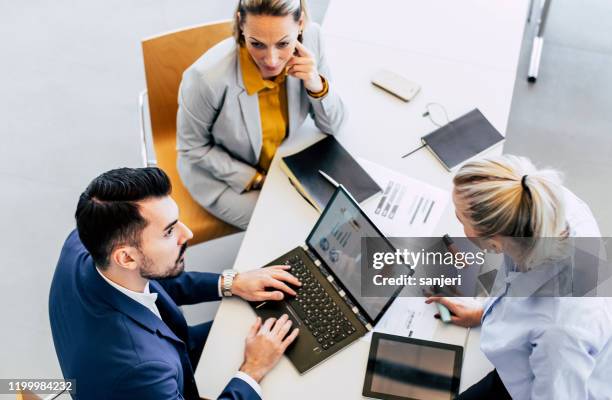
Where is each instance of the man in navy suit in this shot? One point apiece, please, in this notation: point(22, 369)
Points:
point(113, 305)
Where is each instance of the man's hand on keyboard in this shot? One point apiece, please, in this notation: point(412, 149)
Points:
point(255, 285)
point(265, 344)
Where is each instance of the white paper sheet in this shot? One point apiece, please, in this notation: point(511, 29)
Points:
point(408, 317)
point(407, 207)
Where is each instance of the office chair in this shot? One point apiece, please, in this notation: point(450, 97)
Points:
point(27, 395)
point(165, 58)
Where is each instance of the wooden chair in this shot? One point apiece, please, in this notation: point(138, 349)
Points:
point(27, 395)
point(165, 58)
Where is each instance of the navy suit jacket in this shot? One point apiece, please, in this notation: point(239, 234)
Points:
point(114, 346)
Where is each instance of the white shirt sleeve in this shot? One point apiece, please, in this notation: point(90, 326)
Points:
point(219, 287)
point(250, 381)
point(561, 366)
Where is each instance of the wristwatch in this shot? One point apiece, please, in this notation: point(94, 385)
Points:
point(228, 280)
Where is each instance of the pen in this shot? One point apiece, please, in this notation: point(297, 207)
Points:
point(450, 244)
point(329, 179)
point(445, 314)
point(452, 247)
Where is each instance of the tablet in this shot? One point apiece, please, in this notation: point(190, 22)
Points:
point(401, 368)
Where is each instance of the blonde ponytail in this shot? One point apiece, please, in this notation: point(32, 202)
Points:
point(507, 196)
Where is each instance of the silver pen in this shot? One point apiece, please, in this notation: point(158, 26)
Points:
point(329, 179)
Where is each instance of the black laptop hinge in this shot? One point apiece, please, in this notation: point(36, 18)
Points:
point(337, 288)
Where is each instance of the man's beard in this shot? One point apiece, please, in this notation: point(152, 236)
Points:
point(178, 267)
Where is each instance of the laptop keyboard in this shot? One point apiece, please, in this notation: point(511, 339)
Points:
point(318, 311)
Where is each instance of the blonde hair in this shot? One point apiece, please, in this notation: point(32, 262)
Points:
point(508, 196)
point(276, 8)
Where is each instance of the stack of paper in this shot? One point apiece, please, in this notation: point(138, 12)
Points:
point(406, 207)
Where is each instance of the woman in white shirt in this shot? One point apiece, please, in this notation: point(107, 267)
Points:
point(542, 346)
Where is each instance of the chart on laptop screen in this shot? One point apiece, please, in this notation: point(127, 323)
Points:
point(337, 241)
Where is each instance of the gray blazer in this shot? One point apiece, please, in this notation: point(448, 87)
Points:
point(219, 134)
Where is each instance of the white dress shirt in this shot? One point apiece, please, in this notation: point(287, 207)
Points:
point(551, 347)
point(148, 299)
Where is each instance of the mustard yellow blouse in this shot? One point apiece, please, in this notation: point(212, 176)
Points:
point(272, 96)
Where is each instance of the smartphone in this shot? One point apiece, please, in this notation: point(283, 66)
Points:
point(299, 38)
point(396, 85)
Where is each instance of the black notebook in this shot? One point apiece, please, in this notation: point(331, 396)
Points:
point(462, 138)
point(329, 156)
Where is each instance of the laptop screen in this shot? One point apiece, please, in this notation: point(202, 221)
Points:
point(336, 239)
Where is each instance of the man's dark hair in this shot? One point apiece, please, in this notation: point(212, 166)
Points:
point(108, 214)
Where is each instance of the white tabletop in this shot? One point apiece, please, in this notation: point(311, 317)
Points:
point(484, 33)
point(380, 128)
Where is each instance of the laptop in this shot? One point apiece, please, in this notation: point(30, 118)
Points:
point(329, 309)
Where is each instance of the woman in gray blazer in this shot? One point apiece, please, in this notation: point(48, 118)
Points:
point(243, 97)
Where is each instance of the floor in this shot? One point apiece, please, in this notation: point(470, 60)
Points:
point(70, 75)
point(564, 119)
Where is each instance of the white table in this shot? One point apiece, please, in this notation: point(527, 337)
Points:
point(485, 33)
point(380, 128)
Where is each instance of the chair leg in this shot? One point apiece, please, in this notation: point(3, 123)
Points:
point(538, 42)
point(147, 149)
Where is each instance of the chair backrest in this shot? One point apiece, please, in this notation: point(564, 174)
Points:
point(27, 395)
point(165, 58)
